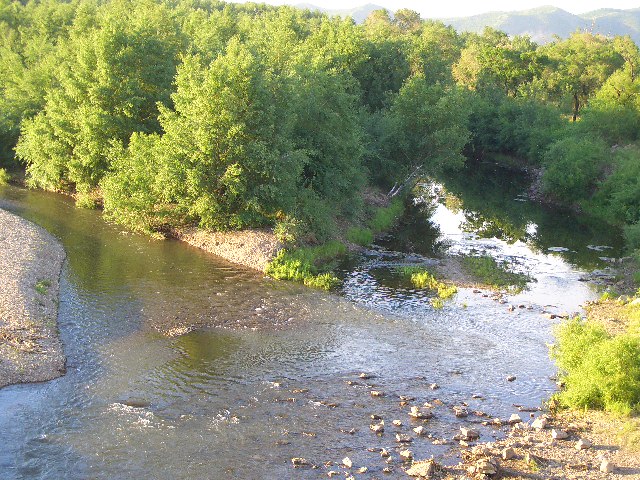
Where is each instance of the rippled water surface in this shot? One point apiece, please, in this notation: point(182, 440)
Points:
point(276, 376)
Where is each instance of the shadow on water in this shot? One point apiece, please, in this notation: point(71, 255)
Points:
point(271, 370)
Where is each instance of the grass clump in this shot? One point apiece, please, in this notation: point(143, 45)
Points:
point(360, 236)
point(600, 371)
point(308, 265)
point(422, 278)
point(4, 177)
point(495, 274)
point(42, 286)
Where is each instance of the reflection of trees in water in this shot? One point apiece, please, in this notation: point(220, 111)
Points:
point(488, 196)
point(416, 233)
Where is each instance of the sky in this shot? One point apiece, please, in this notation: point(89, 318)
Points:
point(463, 8)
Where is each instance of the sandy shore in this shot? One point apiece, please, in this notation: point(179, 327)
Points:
point(31, 260)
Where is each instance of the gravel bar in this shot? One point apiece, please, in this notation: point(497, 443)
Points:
point(30, 264)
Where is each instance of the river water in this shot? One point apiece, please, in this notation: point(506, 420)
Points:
point(261, 371)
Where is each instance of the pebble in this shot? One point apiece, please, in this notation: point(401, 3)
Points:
point(403, 438)
point(346, 461)
point(469, 433)
point(539, 423)
point(514, 418)
point(606, 466)
point(508, 453)
point(406, 455)
point(420, 430)
point(397, 423)
point(583, 444)
point(377, 393)
point(299, 461)
point(511, 378)
point(559, 434)
point(434, 386)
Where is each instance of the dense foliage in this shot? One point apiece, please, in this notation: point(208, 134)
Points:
point(229, 116)
point(600, 370)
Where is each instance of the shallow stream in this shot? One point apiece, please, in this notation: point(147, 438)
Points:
point(262, 371)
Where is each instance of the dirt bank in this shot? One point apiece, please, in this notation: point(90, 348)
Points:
point(31, 260)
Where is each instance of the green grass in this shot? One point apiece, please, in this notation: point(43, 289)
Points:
point(42, 286)
point(308, 265)
point(360, 236)
point(600, 371)
point(384, 218)
point(495, 274)
point(422, 278)
point(4, 177)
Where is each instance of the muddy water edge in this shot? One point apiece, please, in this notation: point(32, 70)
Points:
point(255, 372)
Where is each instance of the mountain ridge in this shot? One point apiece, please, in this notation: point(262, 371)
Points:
point(542, 23)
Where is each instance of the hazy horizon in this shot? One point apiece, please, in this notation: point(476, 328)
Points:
point(462, 8)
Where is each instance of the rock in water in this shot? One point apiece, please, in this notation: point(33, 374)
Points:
point(515, 418)
point(402, 438)
point(299, 462)
point(346, 461)
point(469, 433)
point(377, 427)
point(406, 455)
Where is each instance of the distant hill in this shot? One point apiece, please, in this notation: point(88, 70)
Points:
point(545, 22)
point(539, 23)
point(359, 14)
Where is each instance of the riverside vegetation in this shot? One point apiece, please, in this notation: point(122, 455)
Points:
point(174, 113)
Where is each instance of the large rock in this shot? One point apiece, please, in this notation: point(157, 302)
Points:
point(423, 469)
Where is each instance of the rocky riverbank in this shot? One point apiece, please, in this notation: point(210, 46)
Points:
point(250, 248)
point(31, 259)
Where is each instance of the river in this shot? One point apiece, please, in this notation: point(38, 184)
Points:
point(261, 371)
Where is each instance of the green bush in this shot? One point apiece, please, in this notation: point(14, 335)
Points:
point(360, 236)
point(572, 167)
point(4, 177)
point(384, 218)
point(308, 265)
point(494, 274)
point(599, 371)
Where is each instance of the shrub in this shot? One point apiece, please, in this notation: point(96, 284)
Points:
point(308, 265)
point(573, 166)
point(4, 177)
point(384, 218)
point(599, 371)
